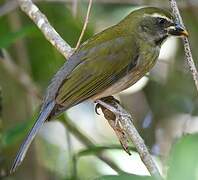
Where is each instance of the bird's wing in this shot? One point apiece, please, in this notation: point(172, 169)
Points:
point(103, 65)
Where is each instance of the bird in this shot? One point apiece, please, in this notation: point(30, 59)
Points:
point(106, 64)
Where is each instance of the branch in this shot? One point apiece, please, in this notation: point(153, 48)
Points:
point(126, 121)
point(186, 43)
point(43, 24)
point(85, 25)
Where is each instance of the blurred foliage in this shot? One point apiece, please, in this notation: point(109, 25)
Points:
point(161, 101)
point(12, 37)
point(183, 162)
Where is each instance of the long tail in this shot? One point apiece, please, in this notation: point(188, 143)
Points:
point(37, 126)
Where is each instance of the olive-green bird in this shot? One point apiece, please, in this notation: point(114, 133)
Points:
point(107, 63)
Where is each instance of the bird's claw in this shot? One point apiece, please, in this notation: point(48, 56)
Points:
point(108, 99)
point(96, 108)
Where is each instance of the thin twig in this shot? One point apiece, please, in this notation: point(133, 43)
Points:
point(127, 124)
point(43, 24)
point(85, 25)
point(186, 43)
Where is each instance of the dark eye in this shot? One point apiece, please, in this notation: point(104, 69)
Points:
point(162, 21)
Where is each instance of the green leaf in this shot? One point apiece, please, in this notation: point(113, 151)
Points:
point(125, 177)
point(183, 163)
point(11, 37)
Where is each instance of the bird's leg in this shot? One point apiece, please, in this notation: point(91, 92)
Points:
point(108, 99)
point(113, 120)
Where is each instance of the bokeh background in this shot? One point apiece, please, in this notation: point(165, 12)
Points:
point(163, 104)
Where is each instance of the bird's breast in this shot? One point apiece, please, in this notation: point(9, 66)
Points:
point(122, 84)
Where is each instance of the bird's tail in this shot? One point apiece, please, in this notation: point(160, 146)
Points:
point(37, 126)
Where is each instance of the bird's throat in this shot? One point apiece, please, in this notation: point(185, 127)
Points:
point(159, 41)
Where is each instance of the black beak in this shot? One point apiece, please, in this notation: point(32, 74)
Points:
point(177, 30)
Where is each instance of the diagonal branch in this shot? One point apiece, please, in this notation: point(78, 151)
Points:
point(186, 43)
point(127, 124)
point(43, 24)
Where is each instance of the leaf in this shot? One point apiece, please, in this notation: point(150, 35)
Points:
point(125, 177)
point(183, 163)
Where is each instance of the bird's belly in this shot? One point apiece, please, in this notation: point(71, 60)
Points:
point(144, 65)
point(131, 78)
point(121, 85)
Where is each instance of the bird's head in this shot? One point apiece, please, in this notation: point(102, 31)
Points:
point(154, 24)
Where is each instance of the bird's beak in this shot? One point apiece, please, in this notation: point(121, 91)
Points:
point(177, 30)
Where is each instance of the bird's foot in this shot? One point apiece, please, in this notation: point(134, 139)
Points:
point(108, 100)
point(113, 120)
point(96, 108)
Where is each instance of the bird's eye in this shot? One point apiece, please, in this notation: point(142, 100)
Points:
point(162, 21)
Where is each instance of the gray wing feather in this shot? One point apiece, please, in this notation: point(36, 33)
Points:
point(61, 76)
